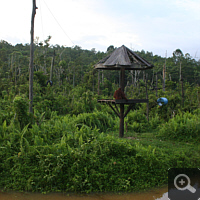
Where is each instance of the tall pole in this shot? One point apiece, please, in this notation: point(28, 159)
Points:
point(31, 59)
point(121, 125)
point(147, 97)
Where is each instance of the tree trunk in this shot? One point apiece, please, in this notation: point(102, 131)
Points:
point(52, 64)
point(164, 77)
point(73, 76)
point(156, 84)
point(182, 89)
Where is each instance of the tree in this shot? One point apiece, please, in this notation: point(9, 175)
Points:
point(110, 49)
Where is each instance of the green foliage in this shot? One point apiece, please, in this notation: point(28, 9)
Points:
point(99, 120)
point(55, 158)
point(183, 127)
point(21, 110)
point(137, 121)
point(40, 78)
point(154, 122)
point(63, 145)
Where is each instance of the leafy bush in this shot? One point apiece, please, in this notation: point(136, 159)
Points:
point(155, 121)
point(21, 110)
point(100, 120)
point(183, 127)
point(137, 121)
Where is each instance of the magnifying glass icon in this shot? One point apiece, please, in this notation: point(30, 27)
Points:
point(182, 182)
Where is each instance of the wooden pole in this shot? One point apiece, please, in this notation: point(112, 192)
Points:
point(121, 125)
point(31, 59)
point(147, 97)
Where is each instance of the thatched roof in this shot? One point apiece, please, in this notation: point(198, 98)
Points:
point(123, 57)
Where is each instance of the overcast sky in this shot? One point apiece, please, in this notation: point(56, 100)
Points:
point(153, 25)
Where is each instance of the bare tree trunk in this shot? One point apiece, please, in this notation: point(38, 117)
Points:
point(73, 76)
point(164, 77)
point(31, 59)
point(52, 64)
point(12, 67)
point(182, 89)
point(15, 71)
point(156, 84)
point(164, 72)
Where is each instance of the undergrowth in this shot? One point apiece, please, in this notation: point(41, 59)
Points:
point(60, 155)
point(183, 127)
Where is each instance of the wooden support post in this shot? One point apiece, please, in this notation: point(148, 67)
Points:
point(147, 97)
point(129, 108)
point(116, 112)
point(121, 125)
point(116, 108)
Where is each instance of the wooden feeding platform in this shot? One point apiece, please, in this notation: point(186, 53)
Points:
point(123, 101)
point(123, 59)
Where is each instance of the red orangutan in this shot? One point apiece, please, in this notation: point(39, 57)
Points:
point(119, 94)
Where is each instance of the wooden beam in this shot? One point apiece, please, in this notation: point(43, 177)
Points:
point(130, 101)
point(116, 112)
point(116, 108)
point(129, 108)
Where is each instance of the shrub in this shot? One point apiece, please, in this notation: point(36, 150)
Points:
point(155, 121)
point(137, 121)
point(21, 110)
point(100, 120)
point(183, 127)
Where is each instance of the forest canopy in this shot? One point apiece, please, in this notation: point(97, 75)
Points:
point(74, 65)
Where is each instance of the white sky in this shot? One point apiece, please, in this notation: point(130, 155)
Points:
point(153, 25)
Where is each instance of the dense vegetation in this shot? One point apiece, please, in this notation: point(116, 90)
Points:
point(71, 142)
